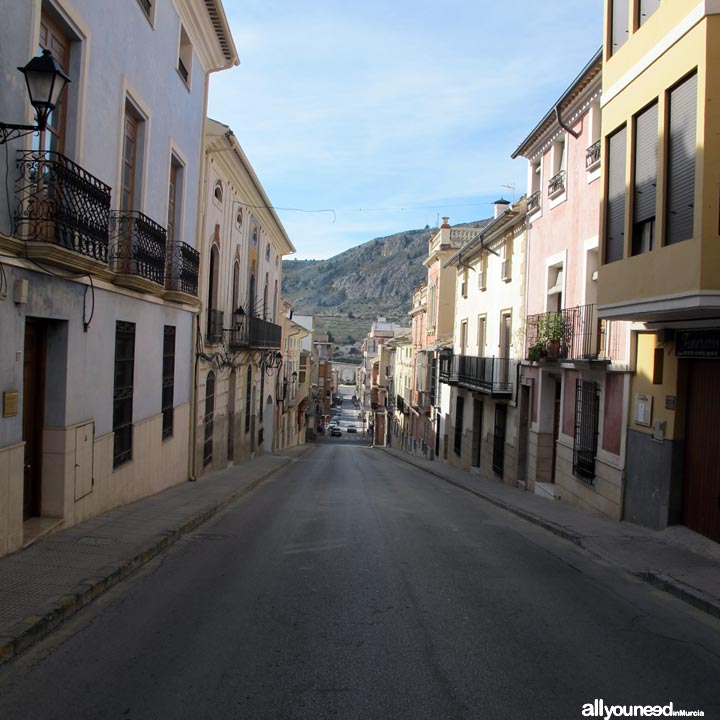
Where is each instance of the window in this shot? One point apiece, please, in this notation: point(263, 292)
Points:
point(645, 184)
point(148, 7)
point(506, 266)
point(235, 289)
point(185, 57)
point(592, 154)
point(587, 410)
point(464, 283)
point(123, 392)
point(681, 152)
point(457, 445)
point(505, 333)
point(482, 272)
point(556, 184)
point(174, 201)
point(481, 335)
point(262, 396)
point(615, 206)
point(218, 192)
point(463, 336)
point(267, 252)
point(208, 419)
point(239, 218)
point(248, 398)
point(265, 298)
point(168, 380)
point(619, 22)
point(129, 187)
point(645, 9)
point(214, 316)
point(53, 38)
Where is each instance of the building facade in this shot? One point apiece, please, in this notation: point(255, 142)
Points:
point(100, 263)
point(660, 250)
point(238, 368)
point(482, 371)
point(575, 375)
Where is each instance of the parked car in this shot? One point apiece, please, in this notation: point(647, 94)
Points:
point(336, 432)
point(351, 429)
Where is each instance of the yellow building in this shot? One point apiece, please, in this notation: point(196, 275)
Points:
point(660, 250)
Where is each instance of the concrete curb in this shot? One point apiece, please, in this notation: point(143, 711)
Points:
point(693, 596)
point(31, 629)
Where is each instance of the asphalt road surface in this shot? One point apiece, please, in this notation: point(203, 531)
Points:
point(351, 585)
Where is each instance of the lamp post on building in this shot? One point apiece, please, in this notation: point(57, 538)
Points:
point(45, 82)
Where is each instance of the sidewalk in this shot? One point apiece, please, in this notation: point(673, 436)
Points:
point(51, 580)
point(676, 559)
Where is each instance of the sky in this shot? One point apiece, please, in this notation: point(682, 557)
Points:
point(363, 119)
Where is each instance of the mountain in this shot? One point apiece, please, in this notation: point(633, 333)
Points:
point(348, 291)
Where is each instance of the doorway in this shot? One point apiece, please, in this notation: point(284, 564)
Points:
point(477, 433)
point(499, 439)
point(35, 354)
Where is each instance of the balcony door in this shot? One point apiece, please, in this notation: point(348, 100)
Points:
point(54, 39)
point(129, 162)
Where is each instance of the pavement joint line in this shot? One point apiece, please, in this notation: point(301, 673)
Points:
point(33, 628)
point(672, 586)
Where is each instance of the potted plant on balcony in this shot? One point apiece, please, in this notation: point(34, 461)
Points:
point(554, 330)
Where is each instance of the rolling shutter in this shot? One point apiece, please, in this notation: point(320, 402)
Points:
point(681, 153)
point(646, 9)
point(615, 217)
point(646, 153)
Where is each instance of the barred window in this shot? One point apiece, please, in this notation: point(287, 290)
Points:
point(123, 392)
point(208, 420)
point(168, 380)
point(585, 445)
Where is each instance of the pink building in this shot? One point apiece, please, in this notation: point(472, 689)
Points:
point(575, 378)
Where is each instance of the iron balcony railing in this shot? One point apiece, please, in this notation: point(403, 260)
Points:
point(592, 156)
point(214, 331)
point(490, 375)
point(183, 269)
point(533, 201)
point(263, 334)
point(556, 184)
point(61, 203)
point(139, 246)
point(570, 334)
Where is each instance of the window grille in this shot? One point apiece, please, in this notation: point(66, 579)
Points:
point(587, 410)
point(123, 392)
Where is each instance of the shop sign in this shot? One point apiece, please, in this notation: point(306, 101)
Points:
point(698, 343)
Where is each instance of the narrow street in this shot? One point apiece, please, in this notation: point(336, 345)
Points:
point(351, 585)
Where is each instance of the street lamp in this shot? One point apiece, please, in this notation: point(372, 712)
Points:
point(45, 82)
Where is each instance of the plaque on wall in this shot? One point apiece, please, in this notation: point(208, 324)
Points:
point(698, 343)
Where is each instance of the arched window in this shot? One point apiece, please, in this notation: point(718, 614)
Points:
point(266, 309)
point(267, 252)
point(235, 287)
point(275, 302)
point(251, 295)
point(239, 218)
point(212, 303)
point(218, 191)
point(208, 418)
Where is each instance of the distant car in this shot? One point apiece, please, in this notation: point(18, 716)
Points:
point(351, 429)
point(336, 432)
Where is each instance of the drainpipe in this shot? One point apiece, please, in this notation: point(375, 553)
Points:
point(565, 127)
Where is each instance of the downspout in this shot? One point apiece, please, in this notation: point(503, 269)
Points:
point(562, 124)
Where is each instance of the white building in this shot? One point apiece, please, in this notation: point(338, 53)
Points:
point(99, 267)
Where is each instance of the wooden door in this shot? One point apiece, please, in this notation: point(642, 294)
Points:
point(54, 39)
point(499, 438)
point(701, 485)
point(33, 414)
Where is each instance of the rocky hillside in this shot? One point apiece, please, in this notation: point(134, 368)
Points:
point(373, 279)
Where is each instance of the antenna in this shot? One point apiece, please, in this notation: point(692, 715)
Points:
point(511, 186)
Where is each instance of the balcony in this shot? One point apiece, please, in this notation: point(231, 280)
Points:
point(534, 201)
point(491, 376)
point(556, 185)
point(62, 206)
point(592, 156)
point(570, 334)
point(181, 273)
point(257, 334)
point(138, 251)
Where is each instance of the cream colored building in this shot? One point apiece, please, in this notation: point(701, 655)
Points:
point(239, 366)
point(487, 345)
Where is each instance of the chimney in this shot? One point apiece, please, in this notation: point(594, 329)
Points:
point(445, 223)
point(501, 206)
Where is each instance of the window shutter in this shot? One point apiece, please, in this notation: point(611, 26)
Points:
point(646, 9)
point(682, 150)
point(646, 153)
point(615, 218)
point(620, 22)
